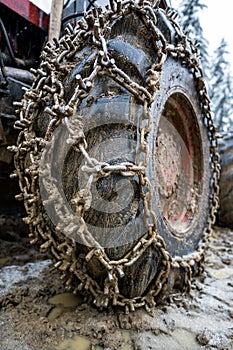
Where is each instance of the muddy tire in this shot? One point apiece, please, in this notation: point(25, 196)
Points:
point(225, 217)
point(140, 227)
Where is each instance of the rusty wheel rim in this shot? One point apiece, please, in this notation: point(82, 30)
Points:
point(179, 165)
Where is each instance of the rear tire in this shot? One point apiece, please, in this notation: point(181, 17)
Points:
point(225, 214)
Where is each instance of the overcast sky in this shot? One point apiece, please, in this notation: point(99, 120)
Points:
point(217, 23)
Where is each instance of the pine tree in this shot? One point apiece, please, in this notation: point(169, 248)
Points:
point(221, 88)
point(190, 22)
point(217, 72)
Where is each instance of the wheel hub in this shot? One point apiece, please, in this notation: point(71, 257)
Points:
point(178, 164)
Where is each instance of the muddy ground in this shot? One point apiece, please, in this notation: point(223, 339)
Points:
point(36, 313)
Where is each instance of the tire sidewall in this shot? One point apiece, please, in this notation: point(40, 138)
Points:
point(176, 78)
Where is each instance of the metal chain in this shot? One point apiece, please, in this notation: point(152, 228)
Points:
point(47, 93)
point(187, 52)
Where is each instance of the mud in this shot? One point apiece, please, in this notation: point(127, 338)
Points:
point(37, 313)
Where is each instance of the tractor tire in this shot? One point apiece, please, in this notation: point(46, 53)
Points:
point(225, 214)
point(114, 159)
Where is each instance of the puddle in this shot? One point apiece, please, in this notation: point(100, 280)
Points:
point(127, 343)
point(223, 273)
point(66, 300)
point(76, 343)
point(63, 302)
point(82, 343)
point(55, 313)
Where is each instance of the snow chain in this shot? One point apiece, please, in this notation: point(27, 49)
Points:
point(95, 28)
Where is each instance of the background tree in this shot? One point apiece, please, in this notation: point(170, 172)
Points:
point(217, 71)
point(221, 88)
point(190, 22)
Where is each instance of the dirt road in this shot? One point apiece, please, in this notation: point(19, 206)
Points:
point(38, 314)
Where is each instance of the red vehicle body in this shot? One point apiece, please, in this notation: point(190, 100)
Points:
point(28, 11)
point(23, 31)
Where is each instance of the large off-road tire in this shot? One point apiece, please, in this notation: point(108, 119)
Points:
point(18, 78)
point(225, 214)
point(126, 99)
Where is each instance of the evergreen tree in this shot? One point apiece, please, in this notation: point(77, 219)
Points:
point(221, 88)
point(190, 22)
point(217, 72)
